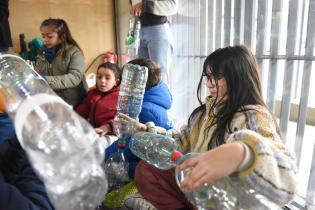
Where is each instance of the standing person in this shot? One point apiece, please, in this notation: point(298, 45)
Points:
point(5, 33)
point(100, 105)
point(62, 63)
point(156, 41)
point(234, 132)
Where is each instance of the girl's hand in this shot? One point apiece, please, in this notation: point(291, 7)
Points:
point(103, 130)
point(136, 9)
point(125, 125)
point(212, 165)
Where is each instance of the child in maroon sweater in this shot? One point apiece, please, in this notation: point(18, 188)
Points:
point(99, 106)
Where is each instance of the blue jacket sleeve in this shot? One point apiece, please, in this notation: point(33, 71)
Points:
point(147, 116)
point(6, 128)
point(111, 150)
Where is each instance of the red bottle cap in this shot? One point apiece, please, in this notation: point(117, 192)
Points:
point(121, 145)
point(176, 155)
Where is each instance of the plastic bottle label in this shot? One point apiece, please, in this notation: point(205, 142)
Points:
point(27, 106)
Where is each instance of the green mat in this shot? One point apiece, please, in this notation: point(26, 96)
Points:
point(115, 199)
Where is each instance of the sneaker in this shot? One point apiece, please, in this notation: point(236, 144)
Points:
point(137, 202)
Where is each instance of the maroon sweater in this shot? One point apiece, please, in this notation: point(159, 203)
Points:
point(99, 108)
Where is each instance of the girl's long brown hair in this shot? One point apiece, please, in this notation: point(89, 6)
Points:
point(238, 66)
point(61, 28)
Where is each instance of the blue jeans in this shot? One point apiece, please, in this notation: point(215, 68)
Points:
point(156, 43)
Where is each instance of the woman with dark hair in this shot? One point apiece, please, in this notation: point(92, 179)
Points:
point(235, 134)
point(62, 63)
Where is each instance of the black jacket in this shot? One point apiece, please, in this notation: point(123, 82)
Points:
point(5, 33)
point(20, 188)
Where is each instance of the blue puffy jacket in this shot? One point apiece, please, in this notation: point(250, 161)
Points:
point(156, 101)
point(6, 127)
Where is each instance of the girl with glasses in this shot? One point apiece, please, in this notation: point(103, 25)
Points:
point(235, 133)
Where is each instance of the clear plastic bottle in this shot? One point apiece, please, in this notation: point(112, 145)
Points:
point(225, 194)
point(154, 148)
point(133, 38)
point(116, 167)
point(132, 87)
point(130, 98)
point(130, 35)
point(63, 147)
point(130, 51)
point(137, 37)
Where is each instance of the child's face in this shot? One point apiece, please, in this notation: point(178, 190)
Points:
point(105, 79)
point(51, 38)
point(216, 91)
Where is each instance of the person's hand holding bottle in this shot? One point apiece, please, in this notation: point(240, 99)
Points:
point(212, 165)
point(125, 125)
point(103, 129)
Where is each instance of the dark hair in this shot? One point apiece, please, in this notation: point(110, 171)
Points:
point(154, 72)
point(61, 28)
point(238, 66)
point(112, 66)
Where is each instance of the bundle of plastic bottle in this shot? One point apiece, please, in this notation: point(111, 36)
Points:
point(132, 88)
point(63, 148)
point(226, 194)
point(133, 38)
point(116, 168)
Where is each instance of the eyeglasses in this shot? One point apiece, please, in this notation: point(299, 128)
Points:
point(210, 78)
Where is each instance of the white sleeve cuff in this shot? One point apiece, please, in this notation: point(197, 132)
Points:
point(134, 2)
point(248, 158)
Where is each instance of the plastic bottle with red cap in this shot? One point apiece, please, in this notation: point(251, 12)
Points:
point(132, 88)
point(116, 167)
point(156, 149)
point(225, 194)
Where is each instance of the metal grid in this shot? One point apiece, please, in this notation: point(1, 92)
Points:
point(201, 26)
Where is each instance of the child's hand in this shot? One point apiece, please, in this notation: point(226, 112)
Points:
point(125, 125)
point(36, 68)
point(103, 130)
point(212, 165)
